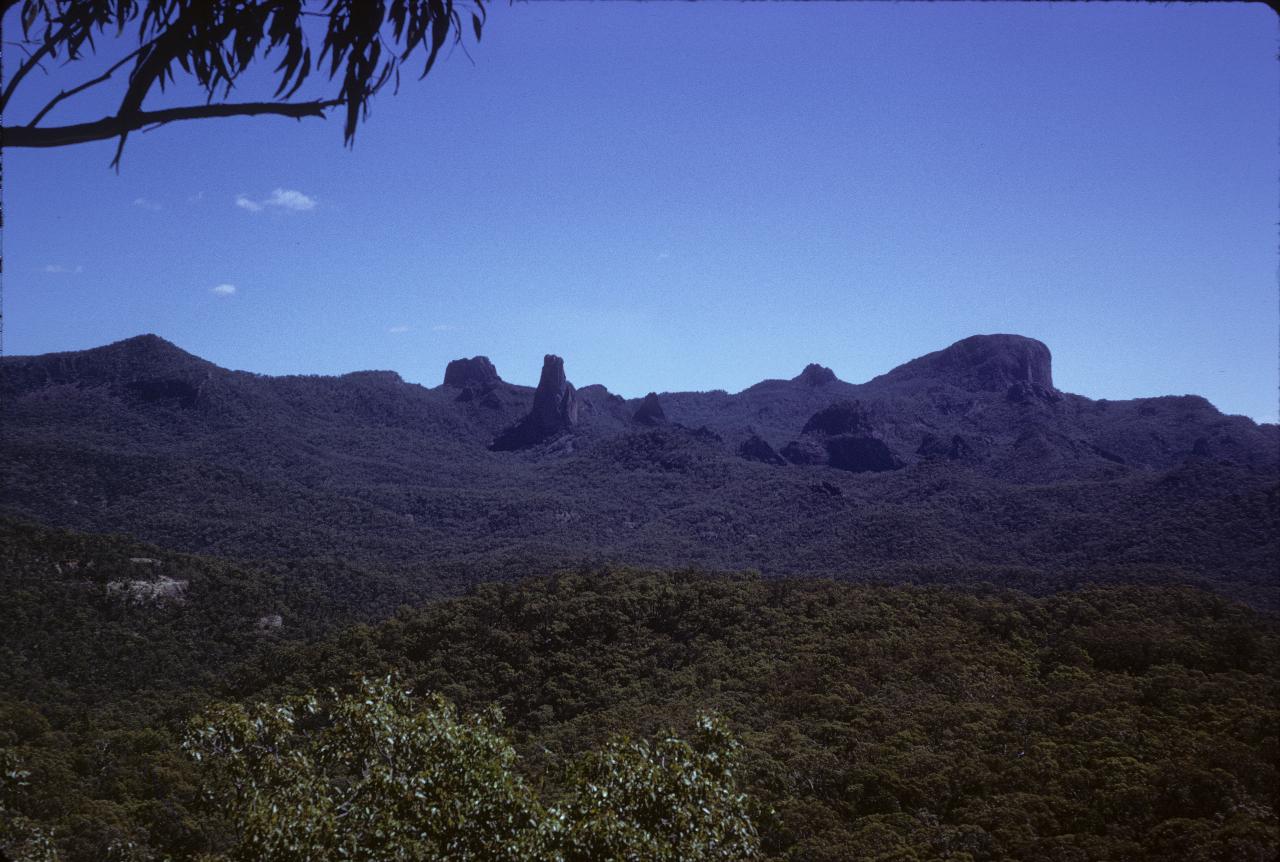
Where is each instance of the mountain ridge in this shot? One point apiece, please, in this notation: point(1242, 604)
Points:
point(987, 361)
point(969, 456)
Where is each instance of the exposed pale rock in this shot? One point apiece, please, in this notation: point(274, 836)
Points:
point(162, 590)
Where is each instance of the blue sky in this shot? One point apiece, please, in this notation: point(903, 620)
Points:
point(699, 196)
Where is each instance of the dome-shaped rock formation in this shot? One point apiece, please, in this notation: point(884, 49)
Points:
point(804, 451)
point(988, 363)
point(476, 372)
point(842, 435)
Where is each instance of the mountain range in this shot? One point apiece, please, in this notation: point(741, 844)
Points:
point(965, 464)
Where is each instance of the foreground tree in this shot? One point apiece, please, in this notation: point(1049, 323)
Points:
point(379, 775)
point(213, 43)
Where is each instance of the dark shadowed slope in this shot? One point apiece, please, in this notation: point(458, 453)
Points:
point(967, 457)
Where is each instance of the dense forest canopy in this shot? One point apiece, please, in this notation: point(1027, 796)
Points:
point(876, 721)
point(989, 620)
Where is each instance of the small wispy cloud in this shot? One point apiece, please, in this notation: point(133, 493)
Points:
point(290, 200)
point(399, 328)
point(223, 290)
point(195, 198)
point(60, 269)
point(147, 204)
point(443, 327)
point(664, 255)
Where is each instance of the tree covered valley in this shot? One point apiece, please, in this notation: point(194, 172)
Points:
point(949, 613)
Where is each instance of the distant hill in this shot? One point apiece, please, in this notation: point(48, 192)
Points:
point(965, 460)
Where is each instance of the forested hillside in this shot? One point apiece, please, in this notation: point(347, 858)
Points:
point(889, 722)
point(769, 529)
point(968, 455)
point(949, 613)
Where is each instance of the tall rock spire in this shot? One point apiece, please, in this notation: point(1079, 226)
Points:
point(554, 411)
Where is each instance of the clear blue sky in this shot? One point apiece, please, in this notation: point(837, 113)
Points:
point(698, 196)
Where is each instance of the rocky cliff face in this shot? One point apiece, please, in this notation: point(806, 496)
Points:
point(984, 363)
point(650, 411)
point(843, 417)
point(843, 436)
point(477, 372)
point(756, 448)
point(555, 402)
point(477, 378)
point(554, 411)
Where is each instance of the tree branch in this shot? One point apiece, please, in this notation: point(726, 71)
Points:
point(154, 60)
point(111, 127)
point(27, 65)
point(65, 94)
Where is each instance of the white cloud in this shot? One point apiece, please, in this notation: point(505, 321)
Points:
point(280, 199)
point(59, 269)
point(195, 198)
point(664, 255)
point(223, 290)
point(147, 204)
point(443, 327)
point(398, 329)
point(290, 199)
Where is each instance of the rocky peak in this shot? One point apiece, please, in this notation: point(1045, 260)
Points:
point(555, 410)
point(555, 402)
point(650, 411)
point(815, 375)
point(140, 354)
point(147, 342)
point(476, 372)
point(990, 363)
point(145, 362)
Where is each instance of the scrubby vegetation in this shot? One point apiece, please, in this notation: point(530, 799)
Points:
point(876, 722)
point(376, 775)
